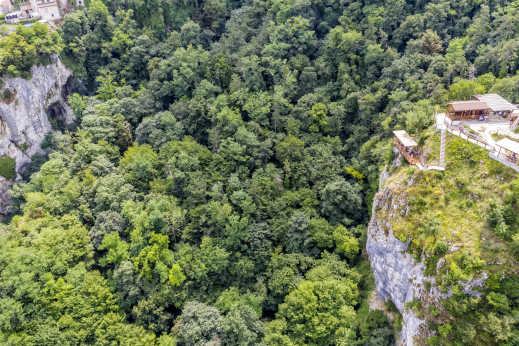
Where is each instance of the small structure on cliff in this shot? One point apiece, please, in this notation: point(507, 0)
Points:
point(407, 146)
point(482, 107)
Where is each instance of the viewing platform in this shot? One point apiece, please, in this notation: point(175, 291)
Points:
point(408, 147)
point(505, 151)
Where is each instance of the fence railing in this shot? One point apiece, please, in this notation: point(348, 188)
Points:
point(469, 137)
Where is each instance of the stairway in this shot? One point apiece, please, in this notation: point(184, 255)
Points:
point(442, 147)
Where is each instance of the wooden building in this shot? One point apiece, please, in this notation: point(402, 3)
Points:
point(407, 146)
point(497, 105)
point(467, 110)
point(482, 107)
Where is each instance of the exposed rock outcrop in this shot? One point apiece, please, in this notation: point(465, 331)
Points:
point(28, 111)
point(398, 277)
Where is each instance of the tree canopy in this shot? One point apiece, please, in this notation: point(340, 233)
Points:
point(219, 182)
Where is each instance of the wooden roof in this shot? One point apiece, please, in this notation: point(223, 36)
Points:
point(496, 102)
point(464, 106)
point(509, 145)
point(404, 138)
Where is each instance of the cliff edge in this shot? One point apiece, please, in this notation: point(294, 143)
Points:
point(398, 276)
point(444, 248)
point(29, 110)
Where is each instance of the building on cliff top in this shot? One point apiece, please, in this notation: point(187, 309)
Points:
point(481, 108)
point(44, 10)
point(497, 104)
point(464, 110)
point(5, 6)
point(48, 10)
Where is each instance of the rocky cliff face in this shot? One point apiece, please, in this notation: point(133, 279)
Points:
point(28, 111)
point(398, 276)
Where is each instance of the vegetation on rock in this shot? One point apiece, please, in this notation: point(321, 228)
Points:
point(462, 224)
point(26, 47)
point(7, 167)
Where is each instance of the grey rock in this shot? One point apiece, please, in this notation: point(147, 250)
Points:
point(398, 276)
point(25, 116)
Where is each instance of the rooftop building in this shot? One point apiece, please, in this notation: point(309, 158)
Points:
point(496, 103)
point(481, 108)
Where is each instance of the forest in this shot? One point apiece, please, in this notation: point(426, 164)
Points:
point(217, 186)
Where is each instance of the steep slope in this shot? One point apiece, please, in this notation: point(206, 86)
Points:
point(29, 108)
point(398, 277)
point(437, 253)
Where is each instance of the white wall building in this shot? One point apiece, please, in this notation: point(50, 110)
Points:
point(5, 6)
point(44, 10)
point(48, 10)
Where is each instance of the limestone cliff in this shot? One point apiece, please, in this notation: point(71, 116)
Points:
point(28, 111)
point(398, 277)
point(433, 251)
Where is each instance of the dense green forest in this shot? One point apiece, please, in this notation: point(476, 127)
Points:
point(218, 185)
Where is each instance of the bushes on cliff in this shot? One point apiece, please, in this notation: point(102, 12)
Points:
point(28, 46)
point(7, 167)
point(503, 217)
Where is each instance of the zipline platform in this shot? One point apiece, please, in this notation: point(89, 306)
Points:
point(408, 147)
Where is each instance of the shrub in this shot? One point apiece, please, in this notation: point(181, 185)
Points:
point(434, 311)
point(441, 249)
point(7, 95)
point(497, 221)
point(433, 341)
point(515, 243)
point(498, 301)
point(495, 214)
point(502, 230)
point(444, 329)
point(7, 167)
